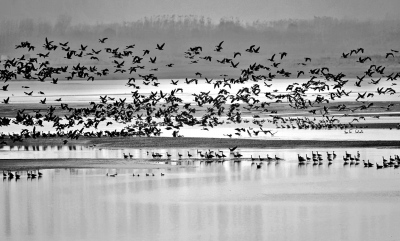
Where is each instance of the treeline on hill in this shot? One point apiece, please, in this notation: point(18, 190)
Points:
point(320, 36)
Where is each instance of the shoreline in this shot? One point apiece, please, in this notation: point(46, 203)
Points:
point(199, 142)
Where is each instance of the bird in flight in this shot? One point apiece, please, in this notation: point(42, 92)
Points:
point(389, 54)
point(83, 48)
point(5, 101)
point(272, 58)
point(102, 40)
point(160, 47)
point(218, 48)
point(153, 60)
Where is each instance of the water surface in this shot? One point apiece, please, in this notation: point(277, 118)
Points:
point(216, 201)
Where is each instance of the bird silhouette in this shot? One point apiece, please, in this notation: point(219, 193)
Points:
point(6, 101)
point(153, 60)
point(160, 47)
point(102, 40)
point(218, 48)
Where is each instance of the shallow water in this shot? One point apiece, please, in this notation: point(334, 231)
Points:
point(288, 154)
point(217, 201)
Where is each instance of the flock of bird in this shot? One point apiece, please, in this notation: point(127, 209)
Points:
point(33, 174)
point(150, 115)
point(348, 159)
point(137, 175)
point(29, 174)
point(211, 156)
point(316, 158)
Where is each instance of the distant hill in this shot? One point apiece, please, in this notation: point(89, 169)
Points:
point(110, 11)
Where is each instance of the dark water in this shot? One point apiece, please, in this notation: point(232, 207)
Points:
point(218, 201)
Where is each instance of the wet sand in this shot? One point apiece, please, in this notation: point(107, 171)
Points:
point(190, 142)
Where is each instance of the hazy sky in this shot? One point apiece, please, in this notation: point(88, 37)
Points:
point(92, 11)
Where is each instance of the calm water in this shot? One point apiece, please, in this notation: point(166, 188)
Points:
point(289, 155)
point(218, 201)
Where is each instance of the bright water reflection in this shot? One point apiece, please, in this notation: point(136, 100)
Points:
point(218, 201)
point(288, 154)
